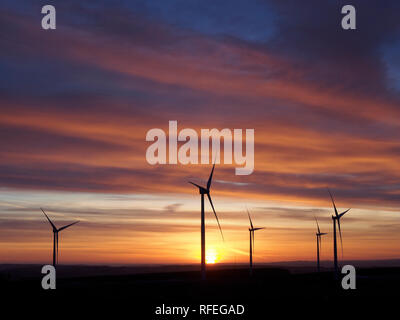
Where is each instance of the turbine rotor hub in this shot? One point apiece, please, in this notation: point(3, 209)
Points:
point(203, 191)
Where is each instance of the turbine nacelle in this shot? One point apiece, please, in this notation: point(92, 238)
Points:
point(202, 190)
point(340, 215)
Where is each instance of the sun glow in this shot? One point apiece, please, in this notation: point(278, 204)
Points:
point(211, 256)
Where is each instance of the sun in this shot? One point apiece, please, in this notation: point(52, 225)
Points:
point(211, 256)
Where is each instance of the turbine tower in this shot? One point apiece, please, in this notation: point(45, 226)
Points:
point(318, 234)
point(55, 237)
point(336, 218)
point(205, 191)
point(251, 231)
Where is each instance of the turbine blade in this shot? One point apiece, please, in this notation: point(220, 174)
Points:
point(196, 185)
point(343, 213)
point(340, 235)
point(52, 224)
point(251, 223)
point(333, 202)
point(57, 249)
point(253, 241)
point(319, 231)
point(255, 229)
point(54, 247)
point(216, 217)
point(320, 244)
point(210, 178)
point(68, 225)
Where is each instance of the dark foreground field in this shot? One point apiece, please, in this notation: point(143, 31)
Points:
point(270, 293)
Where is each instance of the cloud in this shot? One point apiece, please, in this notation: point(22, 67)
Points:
point(173, 207)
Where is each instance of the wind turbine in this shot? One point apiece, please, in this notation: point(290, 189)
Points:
point(336, 218)
point(251, 231)
point(318, 234)
point(55, 237)
point(202, 192)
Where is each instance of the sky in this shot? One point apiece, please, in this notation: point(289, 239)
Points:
point(76, 104)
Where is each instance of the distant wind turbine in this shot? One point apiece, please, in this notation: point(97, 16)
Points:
point(251, 231)
point(336, 218)
point(318, 234)
point(202, 192)
point(55, 237)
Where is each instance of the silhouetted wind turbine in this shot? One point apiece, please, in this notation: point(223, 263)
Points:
point(318, 234)
point(251, 231)
point(336, 218)
point(206, 191)
point(55, 237)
